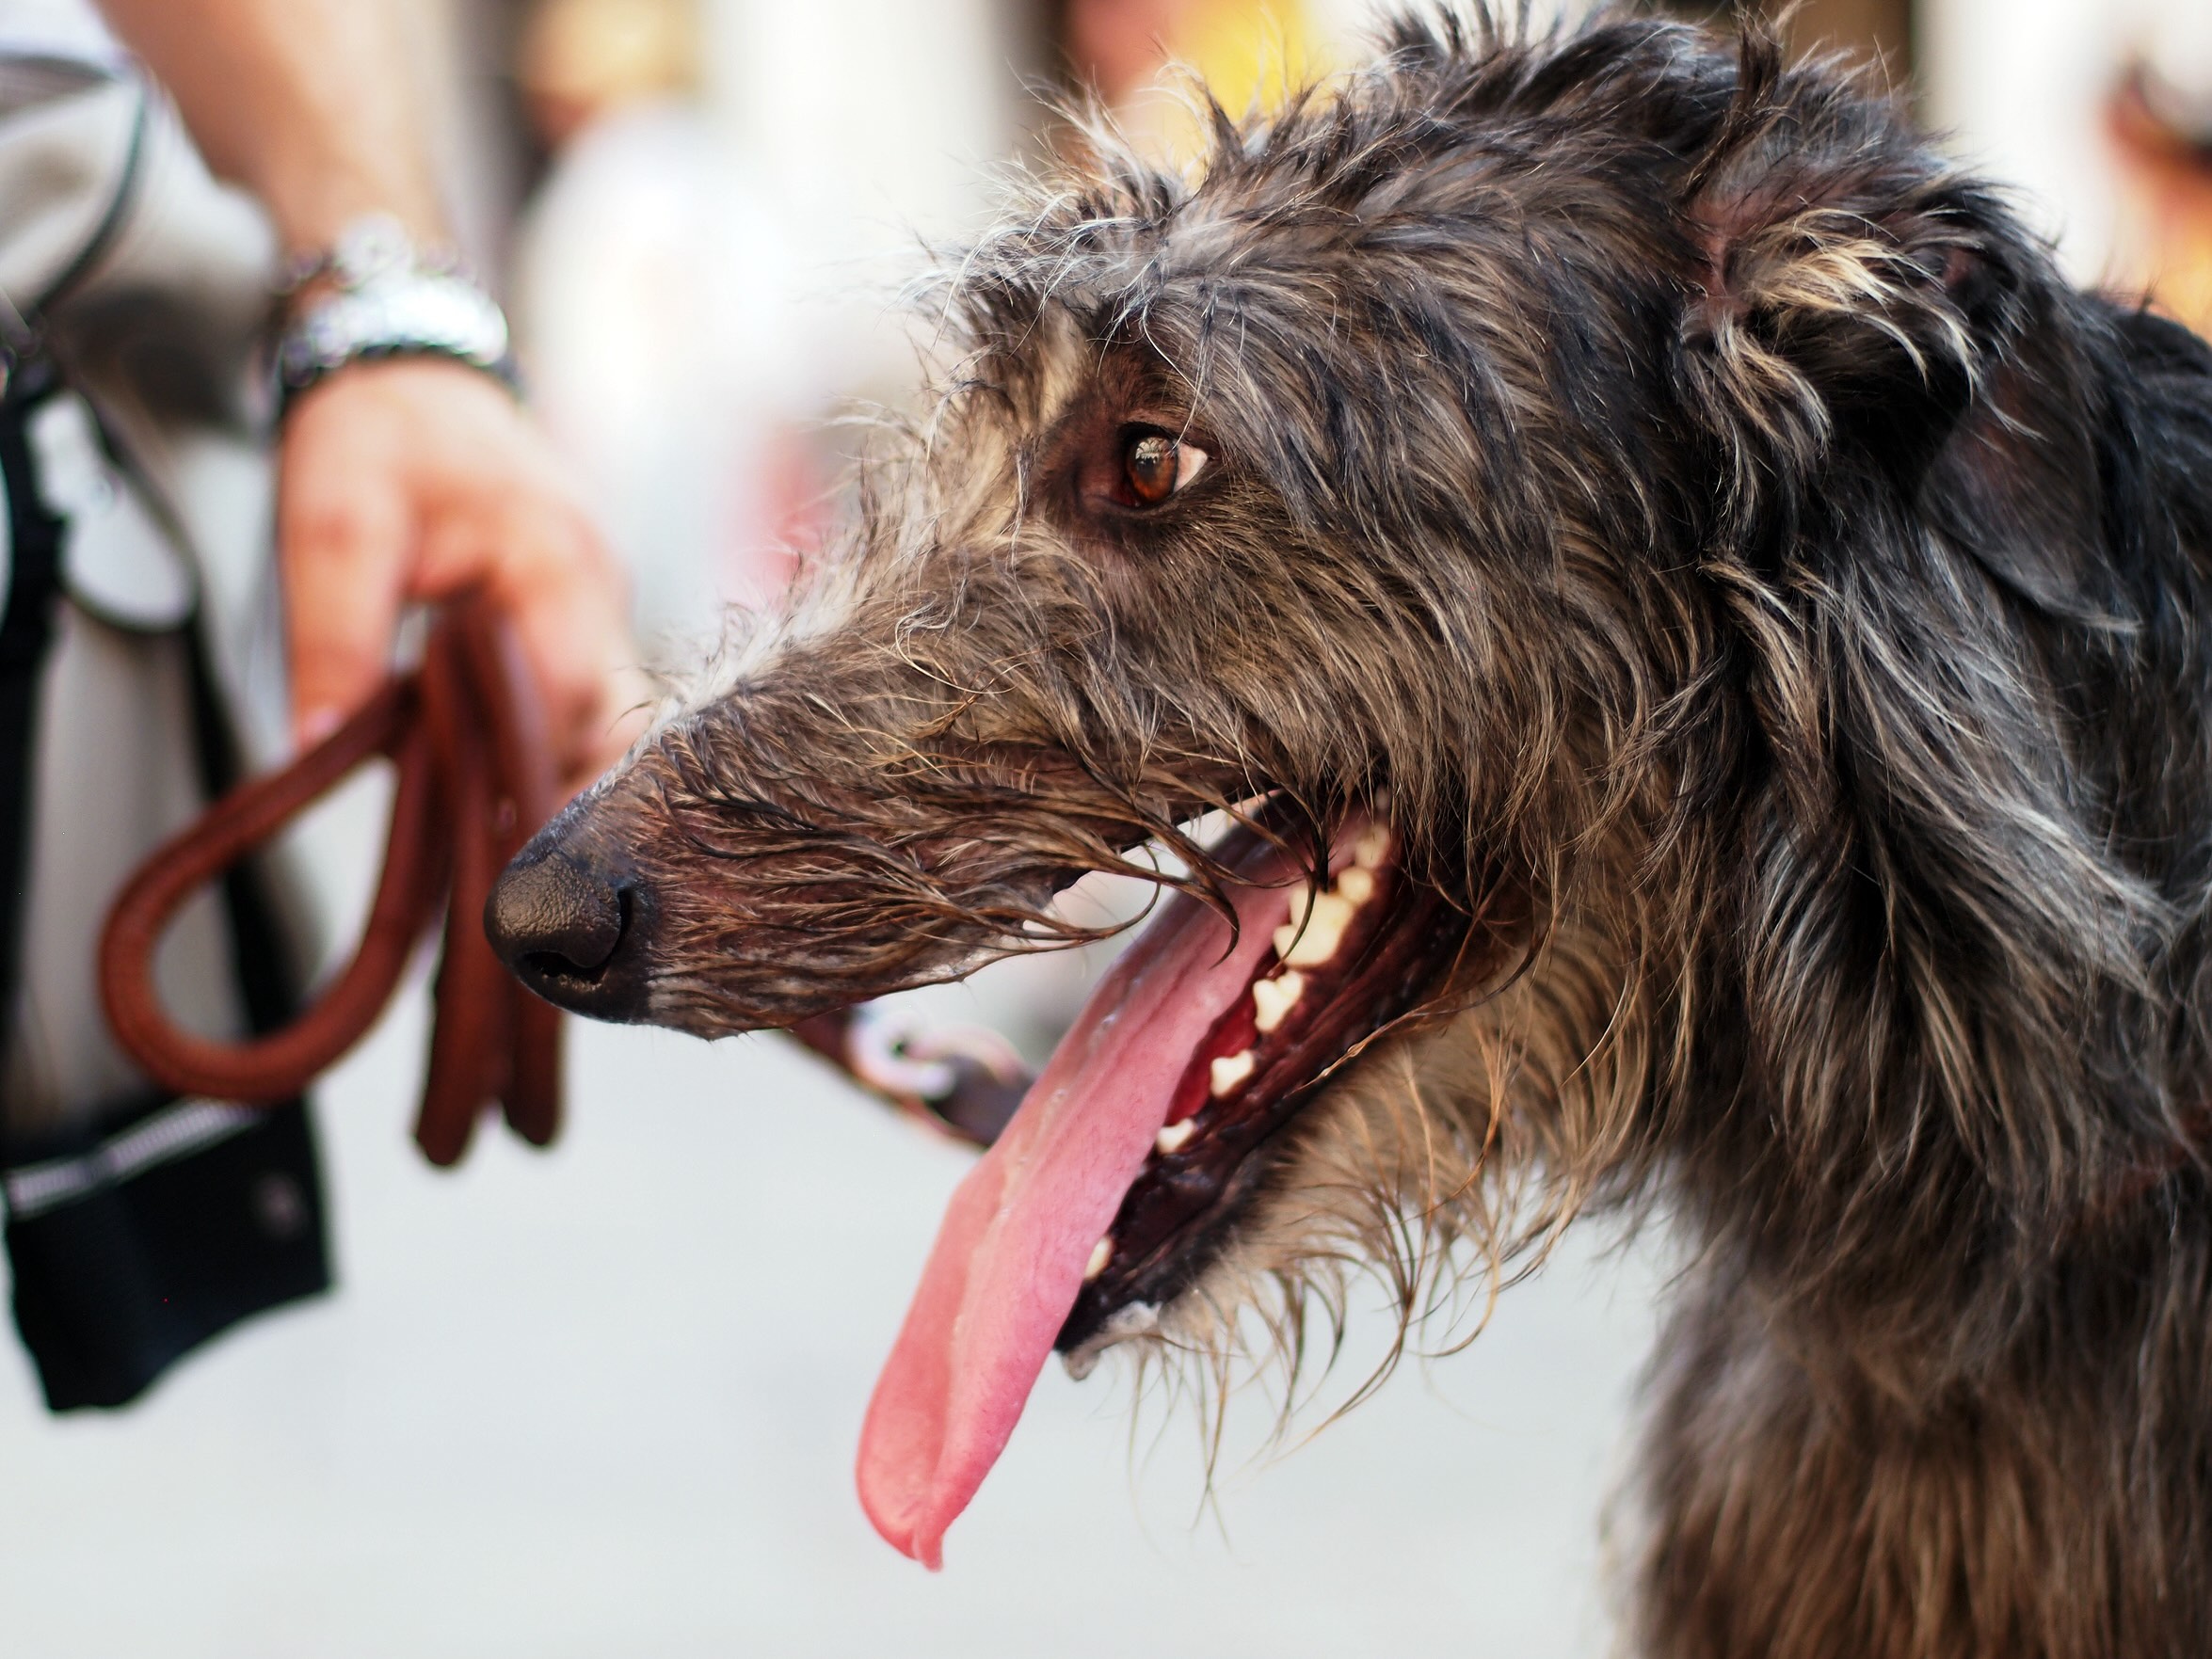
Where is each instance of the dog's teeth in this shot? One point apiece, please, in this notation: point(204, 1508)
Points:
point(1325, 921)
point(1101, 1252)
point(1356, 885)
point(1372, 847)
point(1175, 1136)
point(1272, 998)
point(1230, 1070)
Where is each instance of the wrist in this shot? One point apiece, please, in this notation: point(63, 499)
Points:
point(374, 295)
point(316, 192)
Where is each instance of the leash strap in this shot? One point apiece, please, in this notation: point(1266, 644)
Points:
point(474, 782)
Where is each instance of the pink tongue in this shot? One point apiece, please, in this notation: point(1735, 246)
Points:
point(1009, 1259)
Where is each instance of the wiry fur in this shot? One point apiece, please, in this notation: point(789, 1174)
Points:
point(1712, 521)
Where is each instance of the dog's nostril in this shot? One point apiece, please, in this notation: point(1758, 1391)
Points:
point(556, 916)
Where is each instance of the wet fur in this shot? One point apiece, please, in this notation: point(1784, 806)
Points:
point(1711, 518)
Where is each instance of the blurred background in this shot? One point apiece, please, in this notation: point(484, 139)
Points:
point(604, 1401)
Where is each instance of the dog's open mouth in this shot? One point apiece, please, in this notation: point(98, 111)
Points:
point(1138, 1147)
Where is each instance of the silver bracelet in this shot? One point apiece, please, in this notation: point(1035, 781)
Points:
point(390, 300)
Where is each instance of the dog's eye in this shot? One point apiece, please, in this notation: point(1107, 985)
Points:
point(1156, 464)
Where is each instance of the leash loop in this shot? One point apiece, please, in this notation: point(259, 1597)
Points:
point(475, 780)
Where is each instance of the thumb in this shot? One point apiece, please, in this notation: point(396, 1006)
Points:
point(343, 550)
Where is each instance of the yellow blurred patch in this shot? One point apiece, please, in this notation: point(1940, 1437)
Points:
point(1249, 50)
point(1249, 53)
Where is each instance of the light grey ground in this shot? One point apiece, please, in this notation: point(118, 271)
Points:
point(603, 1402)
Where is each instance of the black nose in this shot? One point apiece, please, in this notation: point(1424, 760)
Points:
point(567, 930)
point(552, 909)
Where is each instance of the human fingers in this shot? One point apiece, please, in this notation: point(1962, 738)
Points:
point(543, 567)
point(472, 499)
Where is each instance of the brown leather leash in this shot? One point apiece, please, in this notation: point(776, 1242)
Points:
point(475, 780)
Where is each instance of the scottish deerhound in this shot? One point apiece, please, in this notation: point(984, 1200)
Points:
point(1704, 643)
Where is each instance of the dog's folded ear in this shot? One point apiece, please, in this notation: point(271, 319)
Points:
point(1839, 291)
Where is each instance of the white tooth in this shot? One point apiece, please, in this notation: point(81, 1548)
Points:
point(1230, 1070)
point(1272, 998)
point(1323, 931)
point(1356, 885)
point(1372, 847)
point(1101, 1252)
point(1175, 1136)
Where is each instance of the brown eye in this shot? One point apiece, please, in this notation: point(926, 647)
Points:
point(1155, 465)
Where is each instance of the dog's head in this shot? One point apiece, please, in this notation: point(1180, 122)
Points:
point(1412, 485)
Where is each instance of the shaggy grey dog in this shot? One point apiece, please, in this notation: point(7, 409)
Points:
point(1706, 640)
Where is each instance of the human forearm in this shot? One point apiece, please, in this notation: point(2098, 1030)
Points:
point(404, 482)
point(315, 105)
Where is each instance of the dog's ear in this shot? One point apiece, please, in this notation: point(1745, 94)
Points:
point(1842, 286)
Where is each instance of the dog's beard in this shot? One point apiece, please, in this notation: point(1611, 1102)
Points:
point(1136, 1156)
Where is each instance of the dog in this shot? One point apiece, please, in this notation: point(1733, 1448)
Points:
point(1702, 642)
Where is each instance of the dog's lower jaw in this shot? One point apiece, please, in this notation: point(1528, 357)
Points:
point(1441, 1166)
point(1447, 1152)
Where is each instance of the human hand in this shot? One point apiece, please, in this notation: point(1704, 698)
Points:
point(412, 480)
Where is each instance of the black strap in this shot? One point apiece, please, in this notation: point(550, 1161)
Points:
point(35, 534)
point(27, 634)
